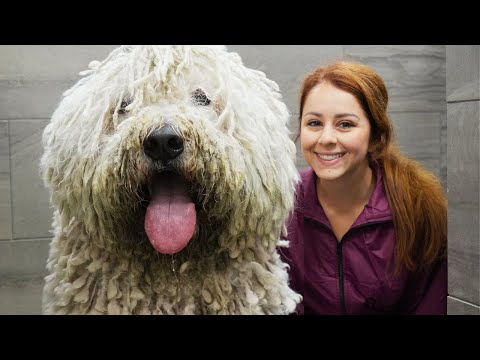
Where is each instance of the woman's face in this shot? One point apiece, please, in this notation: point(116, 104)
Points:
point(334, 133)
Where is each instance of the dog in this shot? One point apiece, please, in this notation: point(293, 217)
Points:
point(171, 173)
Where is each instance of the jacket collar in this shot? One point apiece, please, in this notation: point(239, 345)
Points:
point(376, 210)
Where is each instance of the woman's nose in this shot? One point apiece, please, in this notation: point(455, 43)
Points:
point(328, 135)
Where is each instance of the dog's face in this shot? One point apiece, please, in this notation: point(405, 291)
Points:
point(179, 148)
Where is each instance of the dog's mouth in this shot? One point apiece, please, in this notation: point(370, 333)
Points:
point(170, 217)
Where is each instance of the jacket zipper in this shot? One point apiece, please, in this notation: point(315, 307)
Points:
point(340, 277)
point(341, 283)
point(354, 228)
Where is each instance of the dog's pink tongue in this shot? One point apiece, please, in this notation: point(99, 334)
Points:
point(171, 217)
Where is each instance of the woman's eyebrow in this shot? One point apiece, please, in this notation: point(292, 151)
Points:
point(337, 115)
point(313, 113)
point(346, 115)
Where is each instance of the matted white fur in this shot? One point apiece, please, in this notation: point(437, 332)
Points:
point(238, 160)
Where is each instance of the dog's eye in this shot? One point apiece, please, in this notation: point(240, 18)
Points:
point(123, 105)
point(199, 98)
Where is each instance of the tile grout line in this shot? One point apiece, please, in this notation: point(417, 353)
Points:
point(461, 101)
point(26, 118)
point(10, 177)
point(439, 117)
point(463, 301)
point(443, 156)
point(13, 241)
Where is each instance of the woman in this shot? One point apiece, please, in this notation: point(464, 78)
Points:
point(369, 233)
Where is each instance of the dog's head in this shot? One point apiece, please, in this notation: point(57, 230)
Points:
point(179, 145)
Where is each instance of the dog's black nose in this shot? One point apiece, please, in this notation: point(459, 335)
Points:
point(163, 144)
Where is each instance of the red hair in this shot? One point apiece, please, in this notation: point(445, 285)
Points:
point(415, 195)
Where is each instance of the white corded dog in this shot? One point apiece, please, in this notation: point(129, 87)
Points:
point(172, 174)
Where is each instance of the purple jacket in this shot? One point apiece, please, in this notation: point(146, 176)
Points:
point(355, 276)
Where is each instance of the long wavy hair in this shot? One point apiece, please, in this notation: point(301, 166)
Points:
point(415, 195)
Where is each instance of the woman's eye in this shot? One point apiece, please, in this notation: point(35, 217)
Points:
point(123, 105)
point(346, 125)
point(314, 123)
point(200, 98)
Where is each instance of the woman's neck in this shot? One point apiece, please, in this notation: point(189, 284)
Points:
point(352, 189)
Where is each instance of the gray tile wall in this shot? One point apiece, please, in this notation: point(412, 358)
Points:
point(22, 268)
point(30, 206)
point(463, 120)
point(5, 201)
point(32, 79)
